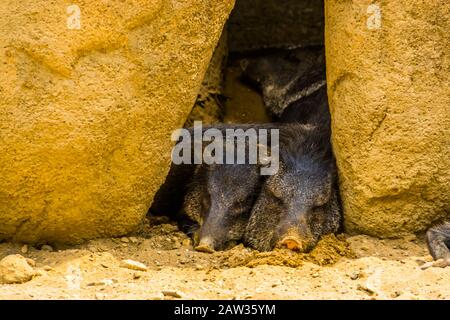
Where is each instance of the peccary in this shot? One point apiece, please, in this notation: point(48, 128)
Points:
point(292, 83)
point(299, 203)
point(219, 200)
point(438, 240)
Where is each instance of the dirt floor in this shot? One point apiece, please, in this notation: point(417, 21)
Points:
point(357, 267)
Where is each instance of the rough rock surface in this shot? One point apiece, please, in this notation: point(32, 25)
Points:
point(259, 24)
point(86, 114)
point(209, 108)
point(388, 66)
point(15, 269)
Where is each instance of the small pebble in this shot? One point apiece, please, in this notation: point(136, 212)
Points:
point(124, 240)
point(186, 243)
point(133, 265)
point(31, 262)
point(104, 282)
point(354, 275)
point(172, 294)
point(365, 289)
point(46, 247)
point(24, 249)
point(133, 239)
point(410, 237)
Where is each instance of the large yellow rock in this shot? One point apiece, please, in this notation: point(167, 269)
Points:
point(89, 97)
point(388, 84)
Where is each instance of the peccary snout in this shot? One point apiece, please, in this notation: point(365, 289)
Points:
point(296, 234)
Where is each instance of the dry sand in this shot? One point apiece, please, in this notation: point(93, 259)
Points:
point(343, 267)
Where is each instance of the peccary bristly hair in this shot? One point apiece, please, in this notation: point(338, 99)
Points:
point(299, 203)
point(286, 77)
point(219, 200)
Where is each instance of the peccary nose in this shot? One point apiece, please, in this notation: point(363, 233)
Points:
point(206, 245)
point(291, 243)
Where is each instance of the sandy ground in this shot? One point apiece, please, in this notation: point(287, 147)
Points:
point(357, 267)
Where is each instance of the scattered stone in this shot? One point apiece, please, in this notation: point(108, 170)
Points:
point(104, 282)
point(172, 294)
point(46, 247)
point(365, 289)
point(47, 268)
point(355, 275)
point(104, 265)
point(124, 240)
point(134, 240)
point(39, 273)
point(410, 237)
point(93, 249)
point(441, 263)
point(136, 276)
point(186, 243)
point(24, 249)
point(15, 269)
point(31, 262)
point(315, 275)
point(396, 294)
point(133, 265)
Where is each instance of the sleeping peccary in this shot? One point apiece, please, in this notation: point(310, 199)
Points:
point(219, 200)
point(220, 197)
point(300, 203)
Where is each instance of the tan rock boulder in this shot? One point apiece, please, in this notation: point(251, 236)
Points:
point(90, 95)
point(388, 65)
point(15, 269)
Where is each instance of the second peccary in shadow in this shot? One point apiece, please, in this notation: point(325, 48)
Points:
point(292, 84)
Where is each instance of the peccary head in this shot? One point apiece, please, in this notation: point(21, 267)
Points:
point(286, 76)
point(220, 200)
point(299, 203)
